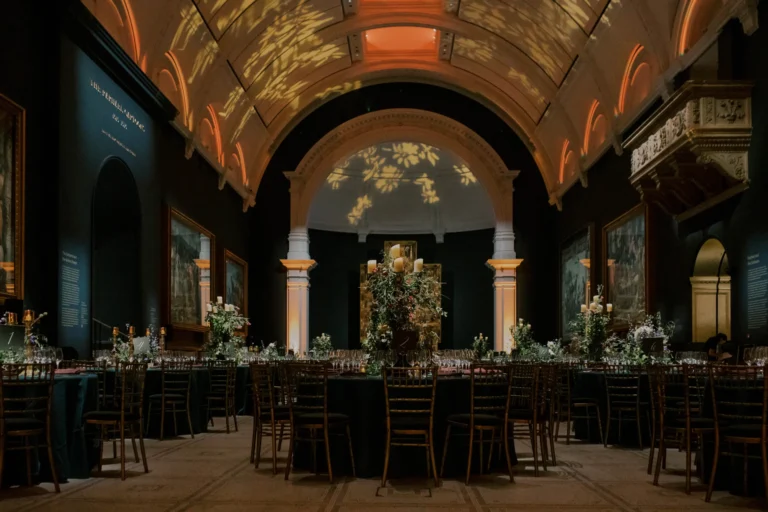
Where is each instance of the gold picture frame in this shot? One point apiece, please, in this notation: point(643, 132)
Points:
point(236, 272)
point(12, 153)
point(188, 277)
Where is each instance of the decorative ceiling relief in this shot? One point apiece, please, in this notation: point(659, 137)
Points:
point(263, 65)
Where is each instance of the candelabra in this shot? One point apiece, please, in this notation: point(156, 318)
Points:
point(29, 320)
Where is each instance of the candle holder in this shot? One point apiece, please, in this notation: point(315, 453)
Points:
point(115, 333)
point(29, 321)
point(131, 334)
point(162, 340)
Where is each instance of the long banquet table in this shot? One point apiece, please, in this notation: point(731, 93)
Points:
point(362, 399)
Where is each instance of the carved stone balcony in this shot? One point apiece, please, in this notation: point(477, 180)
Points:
point(692, 153)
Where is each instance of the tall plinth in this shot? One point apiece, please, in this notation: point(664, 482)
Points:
point(297, 304)
point(504, 301)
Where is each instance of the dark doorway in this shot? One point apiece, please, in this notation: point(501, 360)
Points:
point(116, 293)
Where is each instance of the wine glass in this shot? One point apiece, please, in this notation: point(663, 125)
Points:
point(59, 355)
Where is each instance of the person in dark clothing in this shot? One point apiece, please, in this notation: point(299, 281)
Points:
point(711, 346)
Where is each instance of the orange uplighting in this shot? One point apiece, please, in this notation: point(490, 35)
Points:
point(686, 27)
point(131, 22)
point(626, 82)
point(216, 133)
point(590, 124)
point(401, 42)
point(564, 160)
point(180, 83)
point(241, 162)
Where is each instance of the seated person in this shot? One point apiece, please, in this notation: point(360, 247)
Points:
point(713, 345)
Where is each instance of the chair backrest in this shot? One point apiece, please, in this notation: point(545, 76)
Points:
point(546, 382)
point(129, 387)
point(25, 391)
point(97, 368)
point(264, 377)
point(622, 384)
point(522, 386)
point(739, 395)
point(489, 389)
point(223, 375)
point(410, 392)
point(307, 387)
point(176, 377)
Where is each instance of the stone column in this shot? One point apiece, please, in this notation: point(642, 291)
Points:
point(298, 264)
point(504, 301)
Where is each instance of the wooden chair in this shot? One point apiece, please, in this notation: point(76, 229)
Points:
point(409, 395)
point(307, 387)
point(221, 396)
point(97, 368)
point(568, 403)
point(528, 408)
point(678, 399)
point(175, 389)
point(270, 410)
point(489, 406)
point(740, 406)
point(624, 399)
point(26, 392)
point(129, 384)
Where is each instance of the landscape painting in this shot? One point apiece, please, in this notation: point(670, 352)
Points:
point(236, 279)
point(11, 198)
point(575, 265)
point(624, 241)
point(191, 261)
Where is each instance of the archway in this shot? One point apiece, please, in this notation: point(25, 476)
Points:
point(397, 126)
point(711, 292)
point(116, 244)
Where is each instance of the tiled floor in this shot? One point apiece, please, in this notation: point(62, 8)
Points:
point(212, 473)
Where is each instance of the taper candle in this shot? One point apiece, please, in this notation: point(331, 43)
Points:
point(399, 264)
point(219, 300)
point(371, 266)
point(131, 330)
point(418, 265)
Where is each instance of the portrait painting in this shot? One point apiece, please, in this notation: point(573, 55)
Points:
point(192, 250)
point(625, 266)
point(236, 281)
point(12, 119)
point(575, 263)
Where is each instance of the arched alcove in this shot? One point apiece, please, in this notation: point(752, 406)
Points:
point(711, 292)
point(116, 244)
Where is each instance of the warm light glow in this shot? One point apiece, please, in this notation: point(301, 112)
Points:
point(628, 72)
point(564, 159)
point(182, 86)
point(363, 203)
point(401, 41)
point(241, 158)
point(590, 125)
point(216, 133)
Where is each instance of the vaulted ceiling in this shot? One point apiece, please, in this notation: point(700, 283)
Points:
point(568, 75)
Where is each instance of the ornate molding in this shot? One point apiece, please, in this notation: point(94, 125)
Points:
point(694, 150)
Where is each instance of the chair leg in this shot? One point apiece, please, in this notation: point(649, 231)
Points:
point(688, 463)
point(639, 431)
point(141, 447)
point(234, 414)
point(434, 464)
point(254, 433)
point(175, 425)
point(290, 454)
point(653, 448)
point(280, 441)
point(607, 429)
point(226, 414)
point(351, 452)
point(469, 458)
point(490, 450)
point(28, 453)
point(714, 469)
point(259, 438)
point(386, 458)
point(445, 451)
point(122, 451)
point(506, 451)
point(328, 455)
point(532, 430)
point(551, 443)
point(662, 449)
point(189, 421)
point(765, 466)
point(2, 458)
point(481, 452)
point(101, 447)
point(543, 441)
point(149, 418)
point(133, 443)
point(274, 446)
point(568, 426)
point(162, 419)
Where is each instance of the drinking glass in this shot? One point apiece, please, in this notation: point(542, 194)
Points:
point(59, 357)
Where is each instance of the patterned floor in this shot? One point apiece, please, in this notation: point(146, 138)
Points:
point(212, 473)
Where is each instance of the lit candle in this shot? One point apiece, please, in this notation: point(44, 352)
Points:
point(583, 308)
point(596, 298)
point(162, 331)
point(593, 306)
point(395, 252)
point(147, 332)
point(418, 265)
point(609, 307)
point(115, 330)
point(209, 307)
point(371, 266)
point(399, 264)
point(219, 300)
point(131, 330)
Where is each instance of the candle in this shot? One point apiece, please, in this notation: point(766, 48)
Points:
point(395, 252)
point(29, 315)
point(418, 265)
point(596, 298)
point(371, 266)
point(219, 300)
point(131, 330)
point(209, 308)
point(147, 332)
point(593, 306)
point(609, 307)
point(115, 330)
point(399, 264)
point(583, 308)
point(162, 331)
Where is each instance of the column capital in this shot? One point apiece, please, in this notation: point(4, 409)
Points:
point(501, 265)
point(299, 265)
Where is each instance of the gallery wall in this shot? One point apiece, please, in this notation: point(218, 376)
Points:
point(738, 223)
point(533, 220)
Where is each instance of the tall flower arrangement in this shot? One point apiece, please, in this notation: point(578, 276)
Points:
point(399, 299)
point(224, 321)
point(590, 327)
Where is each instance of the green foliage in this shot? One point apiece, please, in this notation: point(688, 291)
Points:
point(480, 346)
point(224, 320)
point(322, 344)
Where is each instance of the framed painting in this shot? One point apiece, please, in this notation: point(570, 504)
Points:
point(192, 250)
point(575, 276)
point(625, 266)
point(236, 281)
point(12, 150)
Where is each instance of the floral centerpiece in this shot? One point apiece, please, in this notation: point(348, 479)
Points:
point(399, 299)
point(590, 327)
point(269, 352)
point(321, 345)
point(224, 321)
point(653, 327)
point(480, 346)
